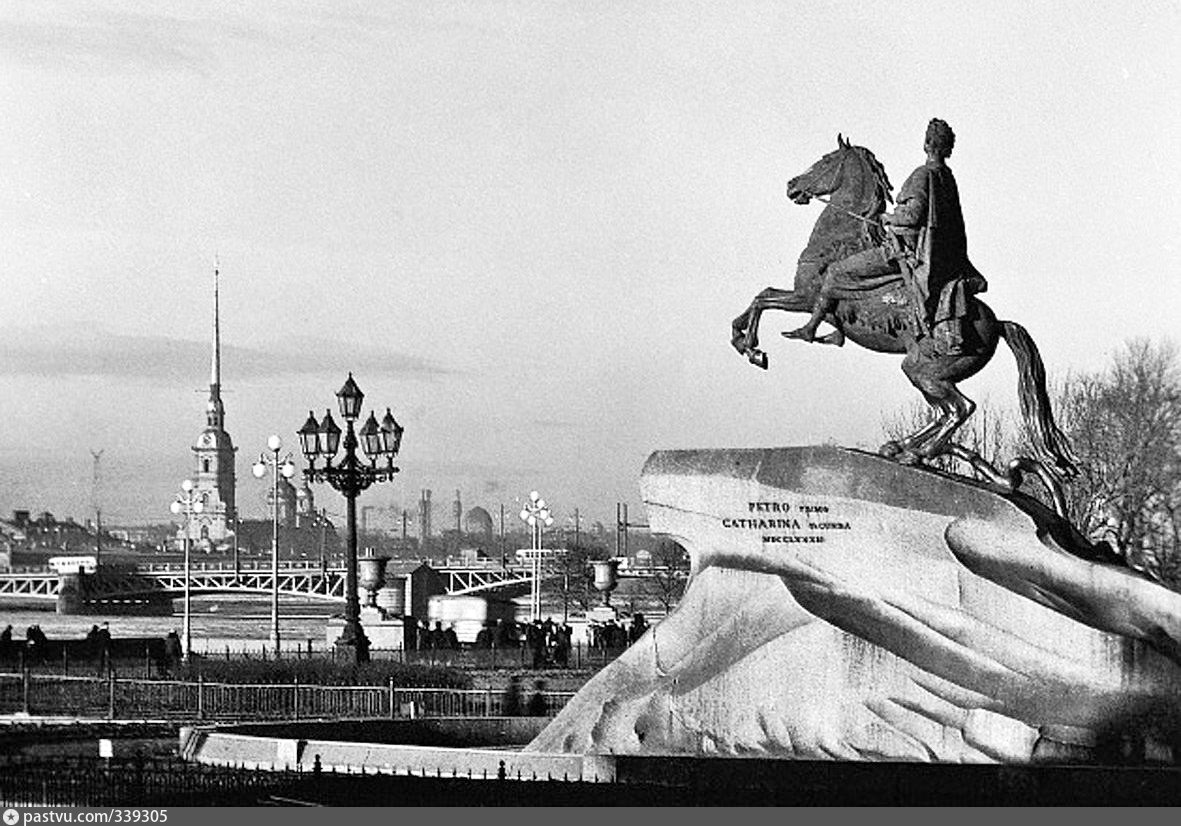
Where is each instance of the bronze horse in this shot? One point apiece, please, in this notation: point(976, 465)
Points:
point(882, 320)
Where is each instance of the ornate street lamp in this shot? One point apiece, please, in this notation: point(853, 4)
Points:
point(287, 470)
point(380, 442)
point(536, 515)
point(189, 502)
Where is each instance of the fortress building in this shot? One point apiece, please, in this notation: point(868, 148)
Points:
point(213, 477)
point(297, 506)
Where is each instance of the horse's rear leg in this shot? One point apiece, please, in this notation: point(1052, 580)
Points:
point(954, 408)
point(909, 448)
point(960, 408)
point(940, 395)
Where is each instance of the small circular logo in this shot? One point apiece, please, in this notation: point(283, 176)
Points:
point(11, 816)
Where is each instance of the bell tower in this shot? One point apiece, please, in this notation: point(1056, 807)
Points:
point(214, 478)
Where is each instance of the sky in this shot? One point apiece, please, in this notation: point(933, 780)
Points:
point(526, 227)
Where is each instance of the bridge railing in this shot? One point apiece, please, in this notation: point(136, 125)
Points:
point(229, 567)
point(114, 698)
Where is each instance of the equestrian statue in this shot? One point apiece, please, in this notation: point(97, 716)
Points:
point(902, 283)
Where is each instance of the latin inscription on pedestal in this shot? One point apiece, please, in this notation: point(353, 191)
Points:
point(782, 522)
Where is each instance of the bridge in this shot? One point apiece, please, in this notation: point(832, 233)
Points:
point(296, 579)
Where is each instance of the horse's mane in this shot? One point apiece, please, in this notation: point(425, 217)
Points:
point(837, 235)
point(881, 181)
point(882, 189)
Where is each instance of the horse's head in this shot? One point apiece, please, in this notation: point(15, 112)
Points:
point(847, 168)
point(822, 177)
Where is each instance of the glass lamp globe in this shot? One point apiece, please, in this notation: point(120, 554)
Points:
point(309, 437)
point(198, 507)
point(259, 469)
point(274, 443)
point(174, 507)
point(350, 398)
point(186, 485)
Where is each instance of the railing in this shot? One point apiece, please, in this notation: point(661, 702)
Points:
point(74, 781)
point(229, 567)
point(131, 699)
point(147, 783)
point(580, 657)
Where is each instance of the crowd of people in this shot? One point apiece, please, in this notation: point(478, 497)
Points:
point(612, 634)
point(98, 646)
point(548, 642)
point(34, 644)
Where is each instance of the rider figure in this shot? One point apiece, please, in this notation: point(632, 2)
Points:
point(929, 254)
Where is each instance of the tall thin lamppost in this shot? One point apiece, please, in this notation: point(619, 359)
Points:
point(536, 515)
point(285, 469)
point(380, 441)
point(189, 502)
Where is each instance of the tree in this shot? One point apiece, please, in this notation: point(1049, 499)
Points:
point(670, 571)
point(1125, 423)
point(571, 573)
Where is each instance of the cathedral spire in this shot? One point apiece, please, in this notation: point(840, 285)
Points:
point(215, 371)
point(214, 479)
point(215, 410)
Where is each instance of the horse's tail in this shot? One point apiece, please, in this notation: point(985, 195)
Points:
point(1050, 445)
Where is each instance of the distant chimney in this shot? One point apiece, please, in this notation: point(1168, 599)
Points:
point(424, 512)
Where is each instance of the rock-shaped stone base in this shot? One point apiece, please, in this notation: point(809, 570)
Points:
point(842, 606)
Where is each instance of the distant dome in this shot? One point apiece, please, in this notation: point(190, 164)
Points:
point(287, 493)
point(477, 521)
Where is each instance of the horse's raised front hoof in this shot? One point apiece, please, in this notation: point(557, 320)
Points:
point(890, 449)
point(758, 358)
point(738, 342)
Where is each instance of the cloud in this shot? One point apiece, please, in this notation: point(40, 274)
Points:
point(83, 351)
point(553, 424)
point(109, 40)
point(103, 40)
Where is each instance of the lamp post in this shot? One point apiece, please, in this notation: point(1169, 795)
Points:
point(380, 441)
point(189, 502)
point(536, 515)
point(287, 470)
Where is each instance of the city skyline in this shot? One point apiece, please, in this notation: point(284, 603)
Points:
point(526, 228)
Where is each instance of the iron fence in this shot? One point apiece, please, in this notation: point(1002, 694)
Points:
point(112, 697)
point(159, 782)
point(515, 657)
point(136, 781)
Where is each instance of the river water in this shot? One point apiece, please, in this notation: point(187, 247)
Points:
point(218, 623)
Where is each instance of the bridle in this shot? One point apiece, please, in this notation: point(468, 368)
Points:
point(832, 184)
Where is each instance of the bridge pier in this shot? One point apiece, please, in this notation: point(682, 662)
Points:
point(69, 594)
